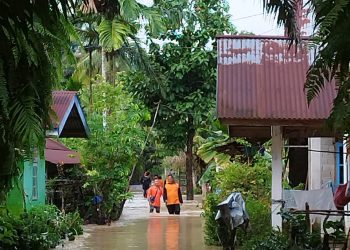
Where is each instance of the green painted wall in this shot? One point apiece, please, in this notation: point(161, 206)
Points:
point(25, 182)
point(15, 201)
point(28, 184)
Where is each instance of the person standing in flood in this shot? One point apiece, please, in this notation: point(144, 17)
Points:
point(153, 194)
point(161, 182)
point(172, 195)
point(146, 182)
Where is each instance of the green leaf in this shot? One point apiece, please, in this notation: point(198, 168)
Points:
point(113, 33)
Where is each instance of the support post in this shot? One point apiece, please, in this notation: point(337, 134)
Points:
point(276, 192)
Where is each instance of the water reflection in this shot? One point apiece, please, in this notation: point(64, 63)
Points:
point(154, 233)
point(175, 233)
point(172, 233)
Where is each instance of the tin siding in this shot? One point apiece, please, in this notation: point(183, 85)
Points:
point(260, 78)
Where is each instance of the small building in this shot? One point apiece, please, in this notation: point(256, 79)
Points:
point(29, 188)
point(260, 94)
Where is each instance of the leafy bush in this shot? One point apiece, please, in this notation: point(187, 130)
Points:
point(251, 180)
point(260, 222)
point(8, 234)
point(210, 224)
point(113, 148)
point(41, 228)
point(254, 183)
point(274, 240)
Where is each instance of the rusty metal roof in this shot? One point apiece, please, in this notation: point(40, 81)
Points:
point(58, 153)
point(61, 100)
point(261, 80)
point(70, 119)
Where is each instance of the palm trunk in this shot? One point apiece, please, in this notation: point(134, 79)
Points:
point(189, 159)
point(104, 66)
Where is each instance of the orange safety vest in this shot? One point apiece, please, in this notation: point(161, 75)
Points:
point(157, 192)
point(172, 190)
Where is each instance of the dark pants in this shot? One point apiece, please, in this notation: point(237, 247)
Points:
point(145, 193)
point(151, 209)
point(173, 209)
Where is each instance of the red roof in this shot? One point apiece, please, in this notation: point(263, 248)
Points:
point(260, 79)
point(61, 100)
point(70, 120)
point(57, 153)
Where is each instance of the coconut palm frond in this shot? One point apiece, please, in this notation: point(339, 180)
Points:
point(26, 123)
point(113, 33)
point(285, 12)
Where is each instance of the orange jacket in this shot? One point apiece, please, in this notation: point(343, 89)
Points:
point(161, 183)
point(157, 192)
point(172, 194)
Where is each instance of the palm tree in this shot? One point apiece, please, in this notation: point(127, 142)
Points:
point(331, 21)
point(117, 29)
point(33, 35)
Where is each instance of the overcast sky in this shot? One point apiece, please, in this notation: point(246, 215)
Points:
point(247, 15)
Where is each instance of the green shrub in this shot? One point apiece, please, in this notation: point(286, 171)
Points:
point(8, 234)
point(41, 228)
point(260, 222)
point(254, 183)
point(273, 241)
point(211, 227)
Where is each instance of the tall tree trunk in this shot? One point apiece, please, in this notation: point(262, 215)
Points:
point(90, 80)
point(189, 159)
point(104, 65)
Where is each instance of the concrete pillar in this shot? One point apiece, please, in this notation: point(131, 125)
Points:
point(276, 192)
point(321, 162)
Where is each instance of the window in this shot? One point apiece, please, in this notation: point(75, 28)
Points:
point(340, 164)
point(35, 179)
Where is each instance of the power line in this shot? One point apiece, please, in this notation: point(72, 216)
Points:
point(246, 17)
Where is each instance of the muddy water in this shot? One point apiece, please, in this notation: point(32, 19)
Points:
point(137, 229)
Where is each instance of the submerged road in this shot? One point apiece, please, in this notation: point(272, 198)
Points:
point(138, 229)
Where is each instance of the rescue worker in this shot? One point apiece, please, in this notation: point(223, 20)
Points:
point(161, 182)
point(172, 195)
point(153, 194)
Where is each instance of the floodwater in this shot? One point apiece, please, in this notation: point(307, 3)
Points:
point(137, 229)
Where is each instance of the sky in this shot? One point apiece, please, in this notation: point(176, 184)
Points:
point(247, 15)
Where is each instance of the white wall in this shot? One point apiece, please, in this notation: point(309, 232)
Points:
point(321, 164)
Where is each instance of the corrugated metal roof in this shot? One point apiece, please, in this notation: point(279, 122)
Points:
point(58, 153)
point(70, 119)
point(61, 100)
point(259, 78)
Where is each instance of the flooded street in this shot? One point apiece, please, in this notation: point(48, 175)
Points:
point(137, 229)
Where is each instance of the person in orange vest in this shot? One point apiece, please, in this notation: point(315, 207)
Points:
point(153, 194)
point(172, 195)
point(161, 182)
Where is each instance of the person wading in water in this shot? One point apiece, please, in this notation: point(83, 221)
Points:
point(146, 182)
point(172, 195)
point(153, 194)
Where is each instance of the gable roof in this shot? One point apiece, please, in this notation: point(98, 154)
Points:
point(261, 81)
point(57, 153)
point(70, 120)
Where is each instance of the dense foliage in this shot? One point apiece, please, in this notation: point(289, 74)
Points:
point(39, 229)
point(254, 182)
point(116, 139)
point(185, 63)
point(33, 36)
